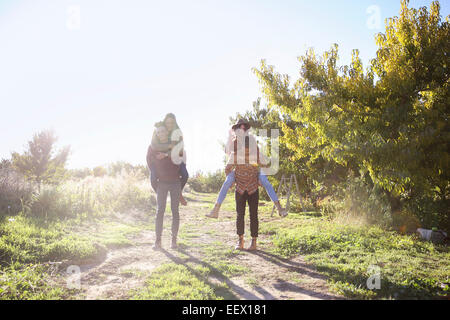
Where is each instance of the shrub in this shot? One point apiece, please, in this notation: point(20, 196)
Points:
point(92, 196)
point(357, 201)
point(209, 182)
point(14, 191)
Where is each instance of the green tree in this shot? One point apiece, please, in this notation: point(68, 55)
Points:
point(5, 164)
point(317, 176)
point(41, 163)
point(80, 173)
point(99, 171)
point(389, 121)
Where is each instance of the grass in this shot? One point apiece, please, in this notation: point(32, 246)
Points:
point(27, 240)
point(410, 268)
point(30, 282)
point(173, 281)
point(222, 259)
point(75, 222)
point(27, 244)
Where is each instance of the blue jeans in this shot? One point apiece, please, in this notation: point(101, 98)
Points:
point(184, 174)
point(230, 180)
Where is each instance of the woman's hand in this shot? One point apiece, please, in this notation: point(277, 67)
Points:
point(161, 155)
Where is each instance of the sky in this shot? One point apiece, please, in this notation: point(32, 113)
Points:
point(100, 73)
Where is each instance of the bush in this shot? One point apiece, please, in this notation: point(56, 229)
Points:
point(209, 182)
point(14, 191)
point(429, 212)
point(358, 202)
point(49, 203)
point(91, 196)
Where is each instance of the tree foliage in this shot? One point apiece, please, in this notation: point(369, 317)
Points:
point(316, 177)
point(389, 120)
point(40, 163)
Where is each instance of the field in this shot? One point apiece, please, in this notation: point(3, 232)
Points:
point(109, 245)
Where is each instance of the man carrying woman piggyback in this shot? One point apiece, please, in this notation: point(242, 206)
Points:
point(166, 160)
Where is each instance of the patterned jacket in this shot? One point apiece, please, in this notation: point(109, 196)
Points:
point(246, 168)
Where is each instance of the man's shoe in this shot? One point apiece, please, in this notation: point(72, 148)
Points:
point(253, 245)
point(240, 244)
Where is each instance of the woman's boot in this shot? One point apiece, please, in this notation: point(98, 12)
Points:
point(253, 245)
point(214, 212)
point(240, 244)
point(183, 201)
point(281, 211)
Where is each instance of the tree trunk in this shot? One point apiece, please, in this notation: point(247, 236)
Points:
point(395, 202)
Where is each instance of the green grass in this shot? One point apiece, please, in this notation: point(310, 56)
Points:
point(222, 259)
point(173, 281)
point(27, 240)
point(29, 282)
point(410, 268)
point(76, 222)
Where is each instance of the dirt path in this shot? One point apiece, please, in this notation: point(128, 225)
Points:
point(206, 242)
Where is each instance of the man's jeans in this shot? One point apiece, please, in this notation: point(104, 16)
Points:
point(252, 200)
point(162, 190)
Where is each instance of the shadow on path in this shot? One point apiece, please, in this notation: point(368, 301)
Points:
point(297, 267)
point(214, 271)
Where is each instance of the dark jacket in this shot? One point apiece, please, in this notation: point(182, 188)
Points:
point(165, 170)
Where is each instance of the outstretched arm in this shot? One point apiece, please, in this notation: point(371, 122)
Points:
point(229, 146)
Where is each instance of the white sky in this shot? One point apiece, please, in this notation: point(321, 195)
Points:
point(102, 86)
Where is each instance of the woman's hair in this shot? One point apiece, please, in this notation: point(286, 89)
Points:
point(170, 115)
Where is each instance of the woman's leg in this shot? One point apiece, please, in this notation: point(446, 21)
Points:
point(225, 186)
point(184, 174)
point(222, 194)
point(272, 194)
point(268, 186)
point(184, 178)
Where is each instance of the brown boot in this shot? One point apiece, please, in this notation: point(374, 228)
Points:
point(214, 212)
point(253, 245)
point(183, 201)
point(240, 244)
point(281, 211)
